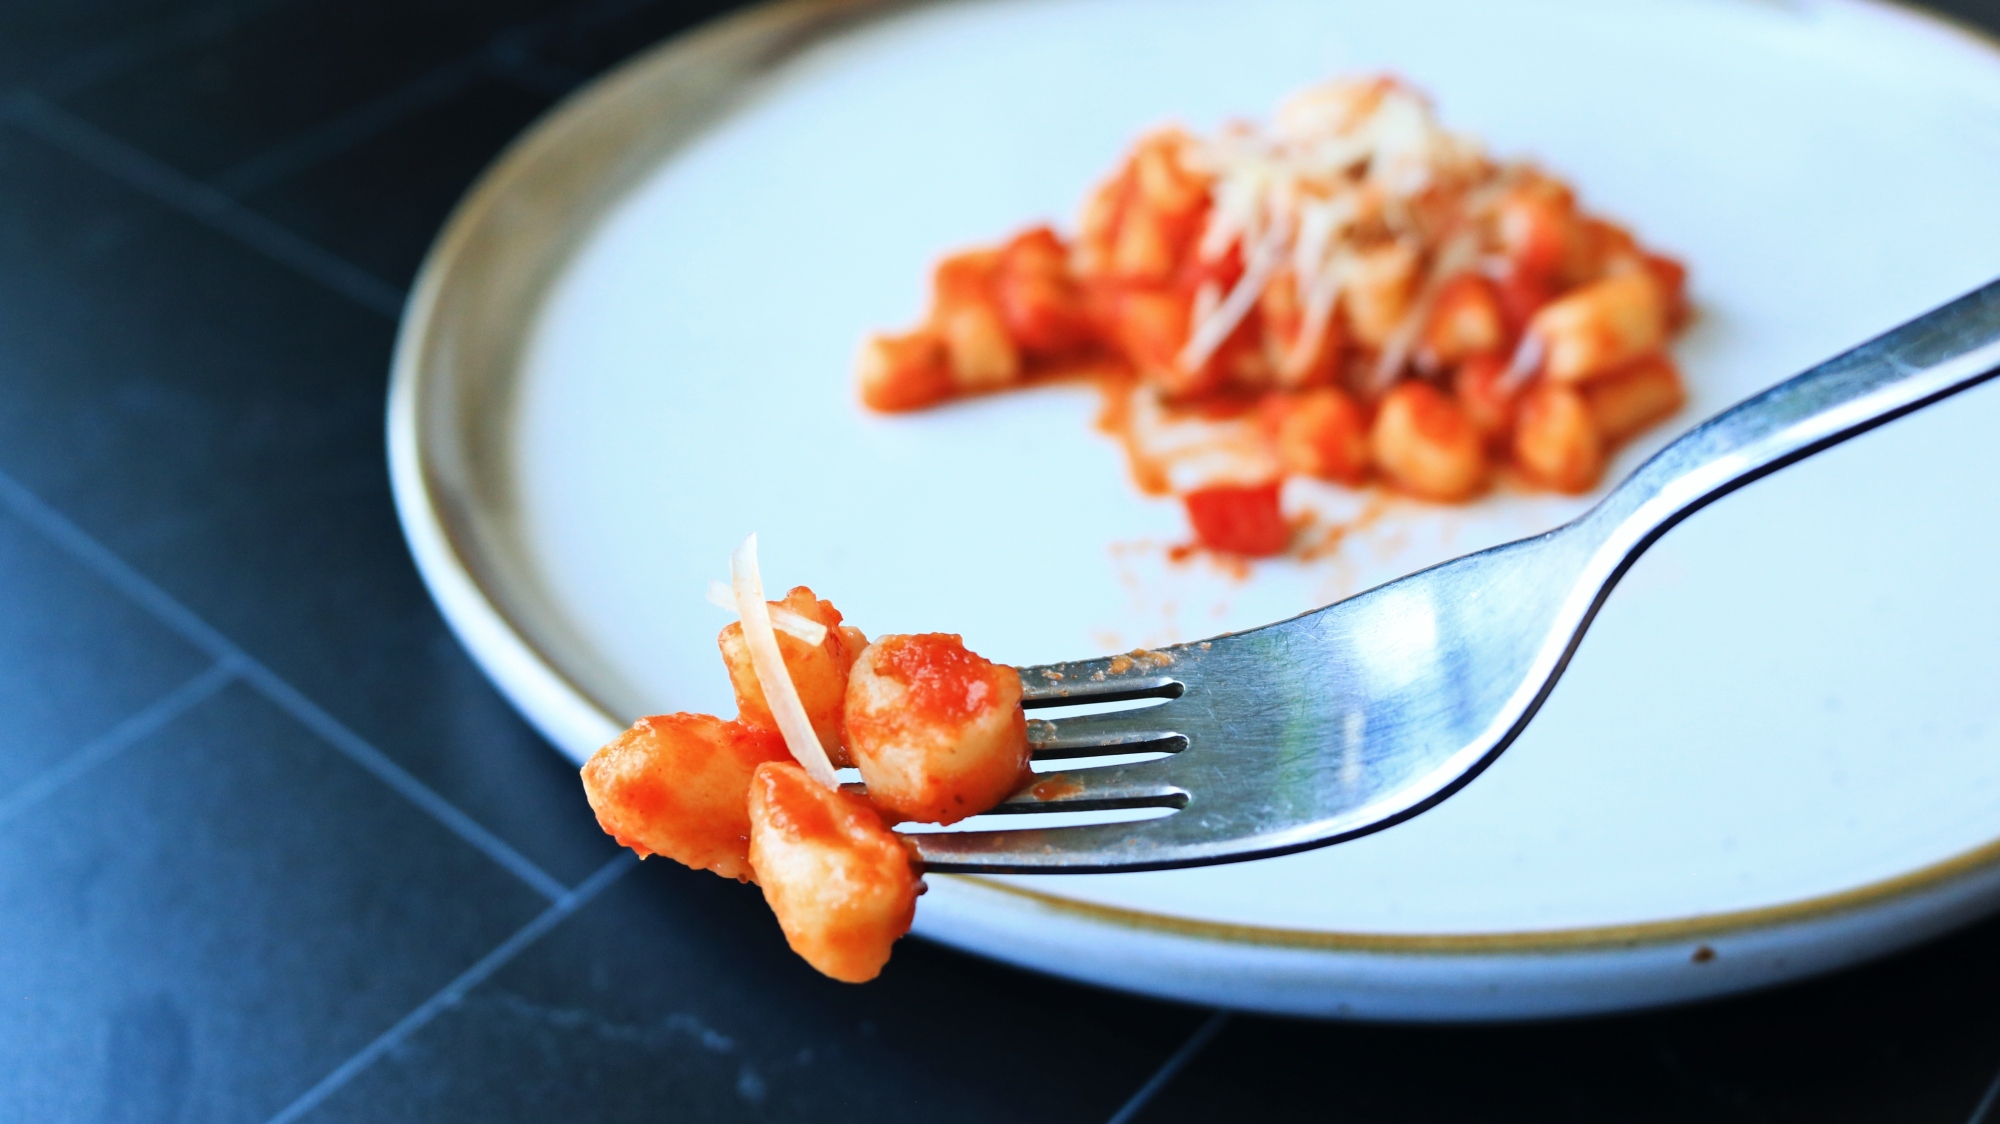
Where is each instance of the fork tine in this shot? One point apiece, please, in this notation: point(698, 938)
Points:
point(1090, 735)
point(1078, 850)
point(1091, 681)
point(1137, 785)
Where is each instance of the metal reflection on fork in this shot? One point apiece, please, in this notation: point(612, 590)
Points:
point(1354, 717)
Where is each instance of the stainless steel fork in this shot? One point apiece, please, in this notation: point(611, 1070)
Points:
point(1362, 714)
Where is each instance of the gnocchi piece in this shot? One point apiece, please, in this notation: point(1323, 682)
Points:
point(1601, 248)
point(936, 730)
point(1537, 224)
point(842, 884)
point(1625, 402)
point(1146, 247)
point(1296, 358)
point(1151, 326)
point(983, 355)
point(1521, 295)
point(1319, 432)
point(1379, 292)
point(1672, 278)
point(1167, 182)
point(819, 671)
point(1041, 304)
point(1141, 223)
point(966, 276)
point(1601, 327)
point(968, 318)
point(675, 785)
point(854, 640)
point(906, 372)
point(1241, 363)
point(1486, 395)
point(1466, 320)
point(1424, 443)
point(1555, 442)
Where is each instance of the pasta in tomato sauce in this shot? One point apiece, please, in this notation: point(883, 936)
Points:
point(1367, 293)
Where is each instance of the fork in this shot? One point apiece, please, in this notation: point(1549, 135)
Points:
point(1357, 716)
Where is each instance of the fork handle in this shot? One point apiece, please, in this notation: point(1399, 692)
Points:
point(1940, 353)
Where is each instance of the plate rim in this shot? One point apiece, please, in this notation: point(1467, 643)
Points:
point(774, 32)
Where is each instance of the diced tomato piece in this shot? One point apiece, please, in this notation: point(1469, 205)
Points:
point(1239, 520)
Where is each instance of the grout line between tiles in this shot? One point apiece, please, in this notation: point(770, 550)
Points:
point(359, 750)
point(1203, 1035)
point(456, 990)
point(509, 56)
point(119, 738)
point(87, 68)
point(143, 173)
point(513, 63)
point(1984, 1110)
point(347, 130)
point(121, 576)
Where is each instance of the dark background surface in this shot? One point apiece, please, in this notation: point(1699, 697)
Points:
point(272, 849)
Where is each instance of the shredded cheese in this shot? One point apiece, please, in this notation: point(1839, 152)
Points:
point(784, 620)
point(1458, 253)
point(780, 693)
point(1341, 167)
point(1216, 326)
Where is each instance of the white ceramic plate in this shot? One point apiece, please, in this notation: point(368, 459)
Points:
point(1778, 751)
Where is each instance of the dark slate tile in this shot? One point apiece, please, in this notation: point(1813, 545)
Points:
point(216, 420)
point(76, 658)
point(223, 101)
point(380, 204)
point(1983, 14)
point(610, 32)
point(673, 997)
point(1912, 1040)
point(205, 926)
point(68, 41)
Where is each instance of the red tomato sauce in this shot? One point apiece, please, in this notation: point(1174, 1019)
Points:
point(947, 683)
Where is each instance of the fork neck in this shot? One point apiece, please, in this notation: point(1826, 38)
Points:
point(1938, 354)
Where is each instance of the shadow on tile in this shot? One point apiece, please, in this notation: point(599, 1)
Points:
point(204, 926)
point(1912, 1040)
point(673, 996)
